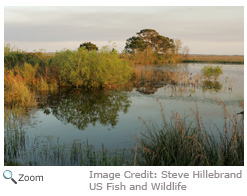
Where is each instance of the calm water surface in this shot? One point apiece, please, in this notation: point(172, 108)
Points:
point(113, 118)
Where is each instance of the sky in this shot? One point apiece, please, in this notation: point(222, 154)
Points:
point(205, 30)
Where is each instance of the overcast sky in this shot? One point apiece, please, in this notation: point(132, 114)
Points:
point(206, 30)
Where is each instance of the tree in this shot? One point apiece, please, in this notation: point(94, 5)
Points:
point(178, 46)
point(186, 50)
point(89, 46)
point(135, 44)
point(148, 39)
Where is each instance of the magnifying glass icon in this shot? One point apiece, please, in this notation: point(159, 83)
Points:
point(7, 174)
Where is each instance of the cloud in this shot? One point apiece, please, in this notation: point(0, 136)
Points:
point(76, 24)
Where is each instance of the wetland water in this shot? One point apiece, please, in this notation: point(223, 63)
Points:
point(112, 118)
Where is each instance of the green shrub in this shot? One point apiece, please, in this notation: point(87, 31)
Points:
point(92, 69)
point(212, 72)
point(18, 58)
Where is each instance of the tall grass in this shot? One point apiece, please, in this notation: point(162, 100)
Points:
point(147, 79)
point(143, 74)
point(16, 92)
point(183, 143)
point(214, 59)
point(15, 140)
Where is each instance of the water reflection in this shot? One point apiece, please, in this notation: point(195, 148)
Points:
point(82, 108)
point(212, 85)
point(147, 80)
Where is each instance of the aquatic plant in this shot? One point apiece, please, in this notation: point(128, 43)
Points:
point(211, 71)
point(182, 143)
point(147, 79)
point(15, 139)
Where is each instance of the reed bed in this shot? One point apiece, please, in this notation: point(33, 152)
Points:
point(16, 92)
point(179, 142)
point(147, 79)
point(142, 73)
point(14, 134)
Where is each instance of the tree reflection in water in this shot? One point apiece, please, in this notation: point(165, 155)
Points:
point(82, 108)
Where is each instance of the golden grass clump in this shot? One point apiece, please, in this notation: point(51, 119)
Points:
point(16, 92)
point(186, 143)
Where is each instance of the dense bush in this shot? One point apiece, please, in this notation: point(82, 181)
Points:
point(91, 69)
